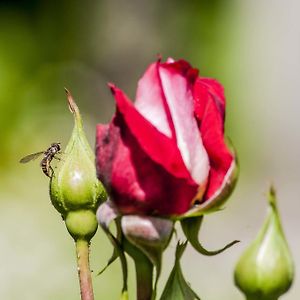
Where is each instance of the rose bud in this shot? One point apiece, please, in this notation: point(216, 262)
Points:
point(265, 271)
point(75, 190)
point(166, 154)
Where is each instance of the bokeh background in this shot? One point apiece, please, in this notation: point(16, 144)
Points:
point(252, 47)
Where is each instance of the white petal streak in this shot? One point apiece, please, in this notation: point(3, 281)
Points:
point(150, 101)
point(180, 101)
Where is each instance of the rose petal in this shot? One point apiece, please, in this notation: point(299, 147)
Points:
point(151, 102)
point(210, 111)
point(107, 140)
point(156, 145)
point(138, 184)
point(177, 80)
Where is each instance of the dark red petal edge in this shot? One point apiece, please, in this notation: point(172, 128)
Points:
point(220, 196)
point(210, 112)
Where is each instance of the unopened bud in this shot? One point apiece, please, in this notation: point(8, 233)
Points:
point(265, 271)
point(75, 190)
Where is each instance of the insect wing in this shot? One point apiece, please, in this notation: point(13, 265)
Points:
point(30, 157)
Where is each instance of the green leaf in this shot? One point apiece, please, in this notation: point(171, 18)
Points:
point(114, 256)
point(176, 287)
point(191, 228)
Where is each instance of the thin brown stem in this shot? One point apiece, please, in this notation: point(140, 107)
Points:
point(84, 273)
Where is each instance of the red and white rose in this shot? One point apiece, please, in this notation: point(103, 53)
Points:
point(166, 154)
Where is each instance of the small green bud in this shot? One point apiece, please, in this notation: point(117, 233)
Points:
point(265, 271)
point(75, 190)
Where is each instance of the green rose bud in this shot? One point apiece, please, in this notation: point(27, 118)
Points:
point(75, 190)
point(265, 271)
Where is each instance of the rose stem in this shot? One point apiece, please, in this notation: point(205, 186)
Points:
point(144, 277)
point(84, 273)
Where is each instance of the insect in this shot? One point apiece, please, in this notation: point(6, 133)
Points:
point(49, 154)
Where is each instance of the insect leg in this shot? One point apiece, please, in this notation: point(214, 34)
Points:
point(51, 173)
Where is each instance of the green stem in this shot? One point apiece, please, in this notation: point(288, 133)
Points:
point(143, 271)
point(144, 277)
point(84, 273)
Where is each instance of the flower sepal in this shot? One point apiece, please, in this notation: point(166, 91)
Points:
point(150, 234)
point(191, 228)
point(106, 214)
point(176, 287)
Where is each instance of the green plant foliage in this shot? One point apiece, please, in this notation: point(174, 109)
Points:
point(176, 287)
point(191, 228)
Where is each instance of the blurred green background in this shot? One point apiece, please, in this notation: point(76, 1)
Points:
point(252, 47)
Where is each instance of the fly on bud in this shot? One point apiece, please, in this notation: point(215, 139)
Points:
point(75, 190)
point(265, 271)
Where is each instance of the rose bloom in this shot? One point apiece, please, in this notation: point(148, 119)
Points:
point(165, 153)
